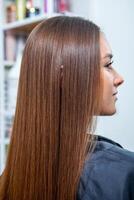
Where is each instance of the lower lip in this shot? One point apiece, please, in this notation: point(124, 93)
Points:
point(115, 97)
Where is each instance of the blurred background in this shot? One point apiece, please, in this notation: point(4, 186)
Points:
point(116, 19)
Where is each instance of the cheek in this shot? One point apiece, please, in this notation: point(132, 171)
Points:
point(108, 104)
point(107, 85)
point(107, 91)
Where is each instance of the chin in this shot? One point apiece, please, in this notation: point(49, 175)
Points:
point(107, 112)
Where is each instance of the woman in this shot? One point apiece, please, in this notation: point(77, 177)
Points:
point(66, 80)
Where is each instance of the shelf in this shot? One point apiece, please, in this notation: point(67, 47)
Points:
point(6, 141)
point(8, 63)
point(9, 113)
point(10, 33)
point(27, 24)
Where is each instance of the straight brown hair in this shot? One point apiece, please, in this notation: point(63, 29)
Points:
point(58, 96)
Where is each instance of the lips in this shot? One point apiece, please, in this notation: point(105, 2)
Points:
point(114, 95)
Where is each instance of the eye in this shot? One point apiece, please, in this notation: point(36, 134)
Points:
point(109, 65)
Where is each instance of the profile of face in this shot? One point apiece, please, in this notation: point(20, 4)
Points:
point(111, 79)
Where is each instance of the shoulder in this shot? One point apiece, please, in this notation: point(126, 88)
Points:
point(111, 151)
point(109, 168)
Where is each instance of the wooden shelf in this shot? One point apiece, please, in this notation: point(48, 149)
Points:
point(26, 25)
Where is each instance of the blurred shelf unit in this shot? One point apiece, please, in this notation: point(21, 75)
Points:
point(17, 19)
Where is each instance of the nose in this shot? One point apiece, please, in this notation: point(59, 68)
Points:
point(118, 80)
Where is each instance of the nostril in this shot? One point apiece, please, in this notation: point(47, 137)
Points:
point(121, 81)
point(118, 81)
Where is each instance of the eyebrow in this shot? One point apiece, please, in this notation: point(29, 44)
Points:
point(108, 55)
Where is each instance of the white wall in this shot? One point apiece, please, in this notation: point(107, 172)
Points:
point(116, 18)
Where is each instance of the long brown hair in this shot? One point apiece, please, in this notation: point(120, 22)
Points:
point(58, 96)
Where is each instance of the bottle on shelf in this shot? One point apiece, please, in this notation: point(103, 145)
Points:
point(10, 46)
point(32, 9)
point(11, 12)
point(64, 5)
point(21, 9)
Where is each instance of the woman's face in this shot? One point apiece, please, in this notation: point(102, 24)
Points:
point(111, 79)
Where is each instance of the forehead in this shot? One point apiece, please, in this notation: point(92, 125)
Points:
point(105, 48)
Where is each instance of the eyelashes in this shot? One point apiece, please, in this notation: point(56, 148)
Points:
point(109, 65)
